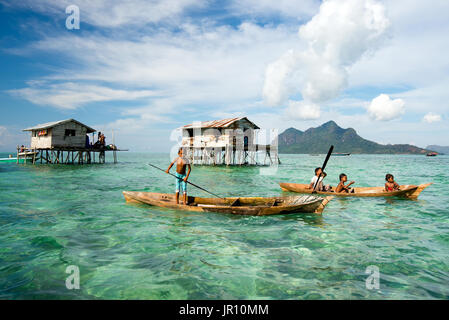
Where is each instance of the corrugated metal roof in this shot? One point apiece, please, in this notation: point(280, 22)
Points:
point(224, 123)
point(57, 123)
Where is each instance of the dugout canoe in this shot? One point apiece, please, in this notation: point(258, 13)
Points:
point(254, 206)
point(406, 191)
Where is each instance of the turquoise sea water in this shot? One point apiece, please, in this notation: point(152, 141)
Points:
point(55, 216)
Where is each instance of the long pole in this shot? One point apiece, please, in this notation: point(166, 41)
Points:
point(322, 168)
point(186, 181)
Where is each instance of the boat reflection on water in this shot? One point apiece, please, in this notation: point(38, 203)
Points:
point(309, 219)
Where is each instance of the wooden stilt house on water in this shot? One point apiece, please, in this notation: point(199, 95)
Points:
point(226, 142)
point(64, 142)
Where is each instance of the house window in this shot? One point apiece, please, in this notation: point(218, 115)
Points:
point(40, 133)
point(69, 132)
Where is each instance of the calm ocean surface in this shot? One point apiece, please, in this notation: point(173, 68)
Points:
point(55, 216)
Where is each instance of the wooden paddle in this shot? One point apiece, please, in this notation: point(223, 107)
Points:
point(322, 168)
point(188, 182)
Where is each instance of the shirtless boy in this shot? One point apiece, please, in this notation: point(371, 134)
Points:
point(342, 187)
point(181, 176)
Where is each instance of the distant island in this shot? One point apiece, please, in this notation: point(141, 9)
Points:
point(317, 141)
point(439, 149)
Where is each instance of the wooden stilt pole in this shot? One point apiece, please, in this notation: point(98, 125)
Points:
point(114, 152)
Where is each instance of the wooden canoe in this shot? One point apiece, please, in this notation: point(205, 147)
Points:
point(407, 191)
point(255, 206)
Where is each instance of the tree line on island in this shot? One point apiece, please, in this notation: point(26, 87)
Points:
point(317, 141)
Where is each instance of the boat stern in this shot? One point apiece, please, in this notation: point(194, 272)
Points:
point(417, 191)
point(323, 204)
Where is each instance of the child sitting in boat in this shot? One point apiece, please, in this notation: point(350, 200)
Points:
point(181, 176)
point(320, 187)
point(391, 185)
point(342, 187)
point(327, 188)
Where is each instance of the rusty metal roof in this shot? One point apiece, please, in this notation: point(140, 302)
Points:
point(224, 123)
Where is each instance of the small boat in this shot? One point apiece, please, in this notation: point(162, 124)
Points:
point(254, 206)
point(432, 154)
point(8, 160)
point(24, 157)
point(14, 160)
point(339, 154)
point(406, 191)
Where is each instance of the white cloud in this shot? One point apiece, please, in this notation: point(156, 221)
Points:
point(69, 95)
point(432, 117)
point(210, 66)
point(113, 13)
point(194, 71)
point(414, 62)
point(301, 110)
point(337, 37)
point(383, 108)
point(276, 74)
point(209, 70)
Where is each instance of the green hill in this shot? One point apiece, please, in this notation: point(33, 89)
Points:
point(318, 140)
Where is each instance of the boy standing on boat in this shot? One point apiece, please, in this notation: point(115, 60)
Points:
point(181, 175)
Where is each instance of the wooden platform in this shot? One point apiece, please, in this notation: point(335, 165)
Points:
point(66, 155)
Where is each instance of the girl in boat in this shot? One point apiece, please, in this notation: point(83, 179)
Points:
point(181, 176)
point(342, 187)
point(391, 185)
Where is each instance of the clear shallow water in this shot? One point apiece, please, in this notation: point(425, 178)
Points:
point(55, 216)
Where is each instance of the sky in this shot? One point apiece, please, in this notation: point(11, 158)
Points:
point(143, 68)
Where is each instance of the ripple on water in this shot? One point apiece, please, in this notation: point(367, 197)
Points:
point(76, 215)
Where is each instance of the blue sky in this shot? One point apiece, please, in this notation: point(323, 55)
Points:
point(144, 68)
